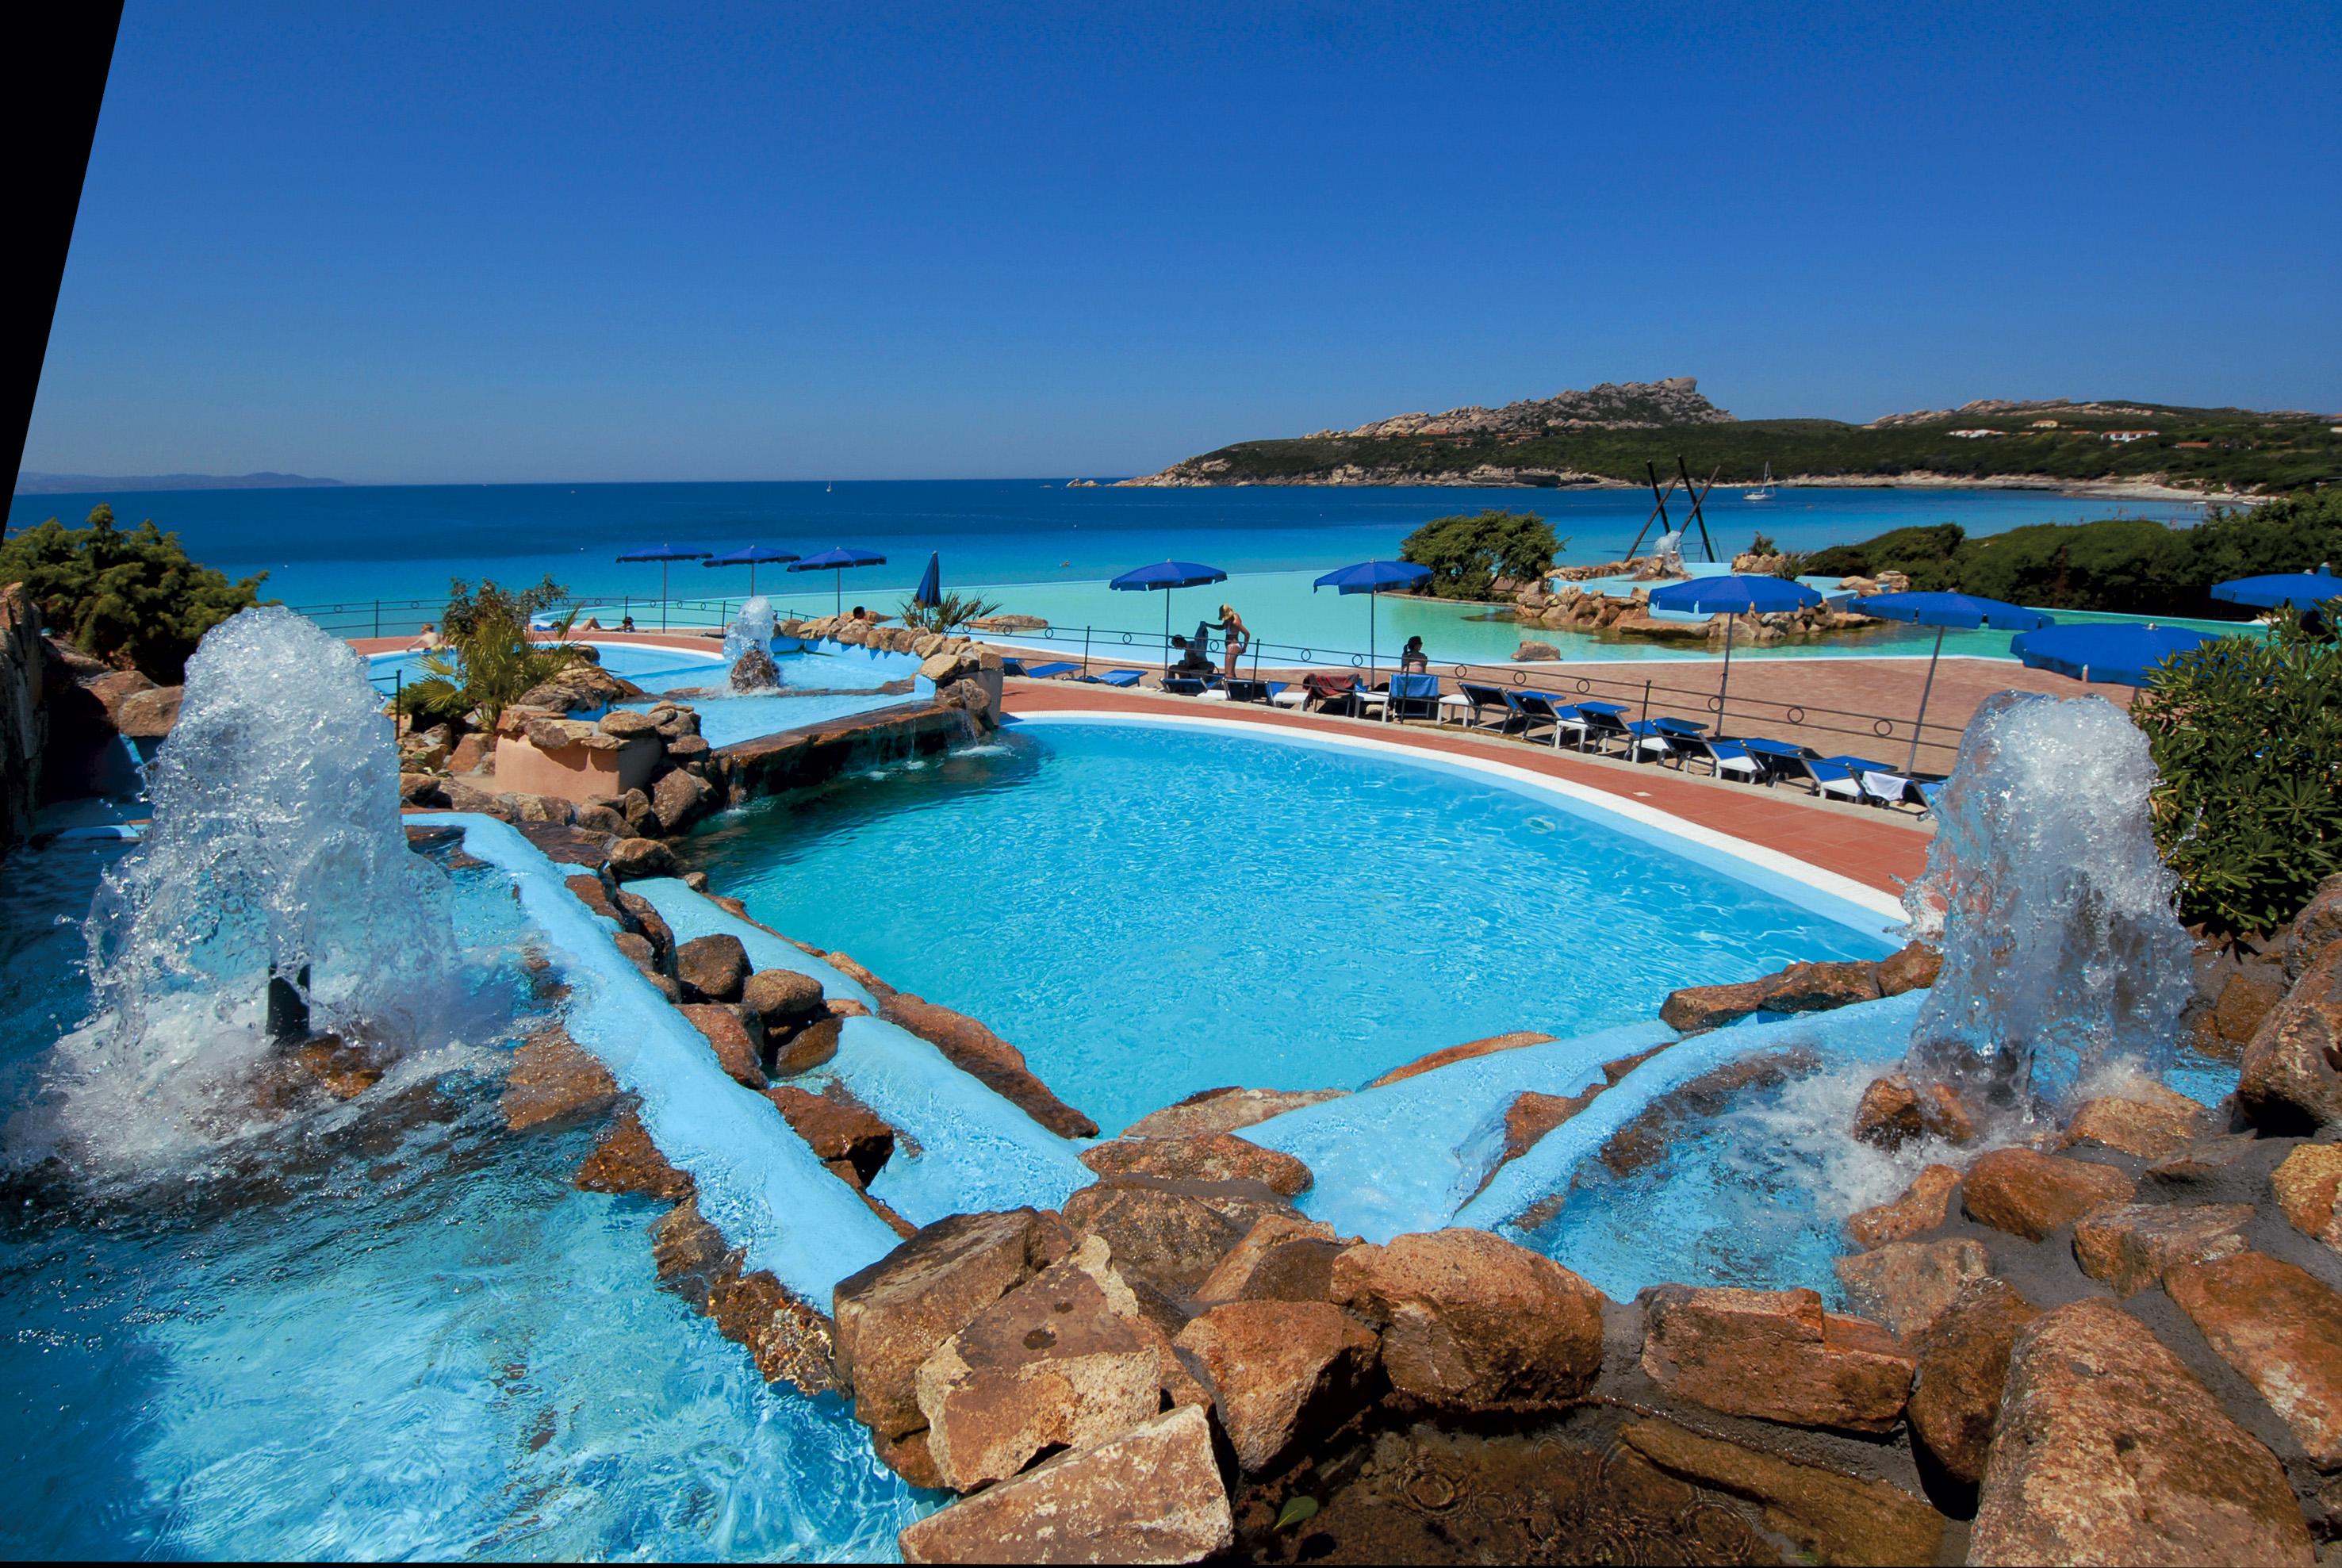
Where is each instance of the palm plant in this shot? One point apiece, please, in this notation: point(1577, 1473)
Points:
point(954, 612)
point(490, 658)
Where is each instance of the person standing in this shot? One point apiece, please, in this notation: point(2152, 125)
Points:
point(1239, 638)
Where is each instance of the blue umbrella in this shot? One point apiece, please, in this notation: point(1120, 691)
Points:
point(2124, 654)
point(665, 556)
point(2302, 590)
point(1370, 578)
point(931, 588)
point(1944, 612)
point(753, 557)
point(838, 560)
point(1742, 593)
point(1160, 578)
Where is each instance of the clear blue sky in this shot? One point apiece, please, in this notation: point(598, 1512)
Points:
point(418, 243)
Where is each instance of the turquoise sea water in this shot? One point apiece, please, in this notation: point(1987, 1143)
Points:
point(1036, 546)
point(1148, 912)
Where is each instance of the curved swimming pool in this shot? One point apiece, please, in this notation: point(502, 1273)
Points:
point(1149, 909)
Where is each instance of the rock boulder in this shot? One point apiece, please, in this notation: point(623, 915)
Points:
point(1211, 1157)
point(2291, 1077)
point(2131, 1247)
point(2030, 1194)
point(1963, 1358)
point(1471, 1319)
point(2282, 1330)
point(712, 968)
point(1775, 1355)
point(1278, 1372)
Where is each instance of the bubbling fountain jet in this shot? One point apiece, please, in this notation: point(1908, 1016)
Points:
point(2063, 959)
point(274, 893)
point(748, 648)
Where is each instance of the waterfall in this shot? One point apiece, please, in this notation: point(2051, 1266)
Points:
point(275, 887)
point(2063, 959)
point(748, 648)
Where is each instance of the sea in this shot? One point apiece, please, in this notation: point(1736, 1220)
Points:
point(381, 557)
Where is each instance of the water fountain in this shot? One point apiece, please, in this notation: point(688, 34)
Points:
point(274, 897)
point(749, 648)
point(2062, 960)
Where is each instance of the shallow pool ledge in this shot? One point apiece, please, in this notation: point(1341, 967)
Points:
point(1809, 886)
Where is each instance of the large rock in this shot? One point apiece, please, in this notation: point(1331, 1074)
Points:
point(712, 968)
point(676, 798)
point(626, 1161)
point(1170, 1234)
point(1281, 1258)
point(624, 723)
point(1279, 1373)
point(1923, 1206)
point(1224, 1111)
point(892, 1315)
point(2108, 1451)
point(2308, 1187)
point(728, 1038)
point(1912, 967)
point(1893, 1110)
point(2282, 1330)
point(783, 997)
point(2246, 998)
point(1151, 1496)
point(2131, 1247)
point(2317, 930)
point(1837, 1518)
point(1214, 1157)
point(1050, 1364)
point(554, 1080)
point(148, 716)
point(1776, 1354)
point(789, 1339)
point(2030, 1194)
point(1799, 988)
point(1908, 1285)
point(1449, 1054)
point(2149, 1121)
point(1470, 1319)
point(2291, 1077)
point(1962, 1360)
point(803, 1050)
point(846, 1134)
point(638, 858)
point(986, 1057)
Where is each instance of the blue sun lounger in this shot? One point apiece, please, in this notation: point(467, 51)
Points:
point(1486, 699)
point(1036, 672)
point(1117, 678)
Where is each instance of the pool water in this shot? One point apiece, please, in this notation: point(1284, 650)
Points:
point(404, 1335)
point(1149, 912)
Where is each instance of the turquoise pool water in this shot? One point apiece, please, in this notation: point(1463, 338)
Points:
point(1148, 911)
point(400, 1335)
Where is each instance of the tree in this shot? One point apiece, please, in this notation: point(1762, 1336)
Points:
point(1467, 555)
point(490, 658)
point(2246, 735)
point(133, 599)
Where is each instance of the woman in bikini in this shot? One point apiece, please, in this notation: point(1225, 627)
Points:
point(1239, 638)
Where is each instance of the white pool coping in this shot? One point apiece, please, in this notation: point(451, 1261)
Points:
point(1809, 887)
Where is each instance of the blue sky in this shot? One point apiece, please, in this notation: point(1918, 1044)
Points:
point(419, 242)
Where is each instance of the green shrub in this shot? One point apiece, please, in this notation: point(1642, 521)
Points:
point(2247, 735)
point(1921, 550)
point(1467, 555)
point(954, 612)
point(131, 598)
point(489, 659)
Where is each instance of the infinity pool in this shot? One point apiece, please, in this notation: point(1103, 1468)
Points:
point(1149, 910)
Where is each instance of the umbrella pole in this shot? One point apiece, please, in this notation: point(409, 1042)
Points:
point(1912, 763)
point(1725, 686)
point(662, 565)
point(1373, 598)
point(837, 591)
point(1167, 630)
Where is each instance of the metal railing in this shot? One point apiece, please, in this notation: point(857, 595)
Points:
point(1747, 713)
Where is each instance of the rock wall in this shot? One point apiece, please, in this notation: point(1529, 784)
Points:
point(23, 713)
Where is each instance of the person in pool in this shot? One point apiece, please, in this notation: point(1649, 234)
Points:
point(1412, 659)
point(426, 642)
point(1239, 635)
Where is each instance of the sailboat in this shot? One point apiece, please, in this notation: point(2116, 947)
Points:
point(1763, 490)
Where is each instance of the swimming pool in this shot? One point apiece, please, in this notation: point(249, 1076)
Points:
point(1150, 908)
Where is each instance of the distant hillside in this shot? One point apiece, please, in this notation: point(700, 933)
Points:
point(32, 483)
point(1605, 436)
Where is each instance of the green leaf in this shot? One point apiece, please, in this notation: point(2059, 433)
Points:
point(1296, 1511)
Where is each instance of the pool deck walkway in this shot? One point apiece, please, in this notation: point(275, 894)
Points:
point(1860, 842)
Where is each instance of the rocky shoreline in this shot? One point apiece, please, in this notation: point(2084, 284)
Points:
point(1202, 473)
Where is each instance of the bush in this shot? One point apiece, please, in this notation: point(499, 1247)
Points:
point(1916, 552)
point(954, 611)
point(2248, 736)
point(1467, 555)
point(489, 659)
point(132, 598)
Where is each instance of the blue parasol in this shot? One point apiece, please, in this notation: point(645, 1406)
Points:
point(752, 556)
point(838, 560)
point(2302, 590)
point(2123, 654)
point(1160, 578)
point(1370, 578)
point(931, 588)
point(1741, 593)
point(665, 556)
point(1945, 612)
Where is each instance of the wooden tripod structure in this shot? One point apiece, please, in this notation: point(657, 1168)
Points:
point(1659, 505)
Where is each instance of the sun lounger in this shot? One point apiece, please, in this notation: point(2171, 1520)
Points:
point(1190, 685)
point(1648, 739)
point(1413, 696)
point(1331, 693)
point(1243, 691)
point(1604, 728)
point(1484, 700)
point(1117, 678)
point(1726, 759)
point(1039, 672)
